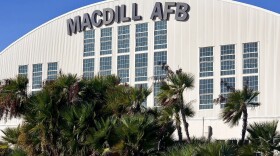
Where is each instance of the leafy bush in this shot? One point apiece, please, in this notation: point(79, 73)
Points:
point(100, 116)
point(264, 137)
point(207, 149)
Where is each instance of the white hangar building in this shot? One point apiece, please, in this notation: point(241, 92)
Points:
point(213, 39)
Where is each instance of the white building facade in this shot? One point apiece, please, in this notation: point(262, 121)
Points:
point(220, 40)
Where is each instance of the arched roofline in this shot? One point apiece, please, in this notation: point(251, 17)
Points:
point(251, 6)
point(107, 1)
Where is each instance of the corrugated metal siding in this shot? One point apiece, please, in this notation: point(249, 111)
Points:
point(211, 23)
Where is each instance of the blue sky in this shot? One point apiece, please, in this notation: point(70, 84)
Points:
point(18, 17)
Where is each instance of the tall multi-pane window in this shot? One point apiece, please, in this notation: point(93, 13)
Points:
point(206, 61)
point(123, 68)
point(123, 39)
point(144, 86)
point(88, 68)
point(250, 58)
point(52, 71)
point(141, 37)
point(206, 85)
point(23, 70)
point(37, 76)
point(228, 60)
point(160, 34)
point(89, 43)
point(160, 59)
point(250, 65)
point(106, 41)
point(252, 82)
point(141, 64)
point(227, 84)
point(206, 94)
point(156, 92)
point(105, 66)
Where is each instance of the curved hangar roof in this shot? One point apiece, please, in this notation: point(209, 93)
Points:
point(210, 23)
point(100, 5)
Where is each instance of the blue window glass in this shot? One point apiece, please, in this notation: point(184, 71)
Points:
point(105, 66)
point(141, 64)
point(145, 86)
point(37, 76)
point(123, 68)
point(250, 58)
point(35, 92)
point(106, 41)
point(228, 60)
point(160, 34)
point(89, 43)
point(252, 82)
point(226, 85)
point(206, 62)
point(206, 94)
point(88, 68)
point(156, 92)
point(52, 71)
point(123, 39)
point(160, 59)
point(23, 70)
point(141, 37)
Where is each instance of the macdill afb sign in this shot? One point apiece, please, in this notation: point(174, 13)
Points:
point(108, 16)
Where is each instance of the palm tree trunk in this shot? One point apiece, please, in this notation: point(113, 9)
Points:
point(244, 127)
point(178, 127)
point(138, 108)
point(186, 124)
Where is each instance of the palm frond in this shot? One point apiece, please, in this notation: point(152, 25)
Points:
point(13, 96)
point(264, 136)
point(11, 135)
point(189, 111)
point(232, 111)
point(237, 101)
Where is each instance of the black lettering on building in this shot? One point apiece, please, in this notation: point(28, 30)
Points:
point(96, 22)
point(157, 11)
point(168, 10)
point(86, 22)
point(182, 12)
point(74, 26)
point(135, 16)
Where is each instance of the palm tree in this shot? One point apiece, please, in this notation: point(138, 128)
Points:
point(41, 129)
point(83, 131)
point(70, 116)
point(236, 107)
point(138, 96)
point(216, 148)
point(13, 96)
point(64, 89)
point(139, 133)
point(130, 102)
point(205, 149)
point(171, 94)
point(11, 135)
point(264, 137)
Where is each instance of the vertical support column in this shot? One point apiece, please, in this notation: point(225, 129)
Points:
point(132, 41)
point(97, 51)
point(114, 50)
point(151, 30)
